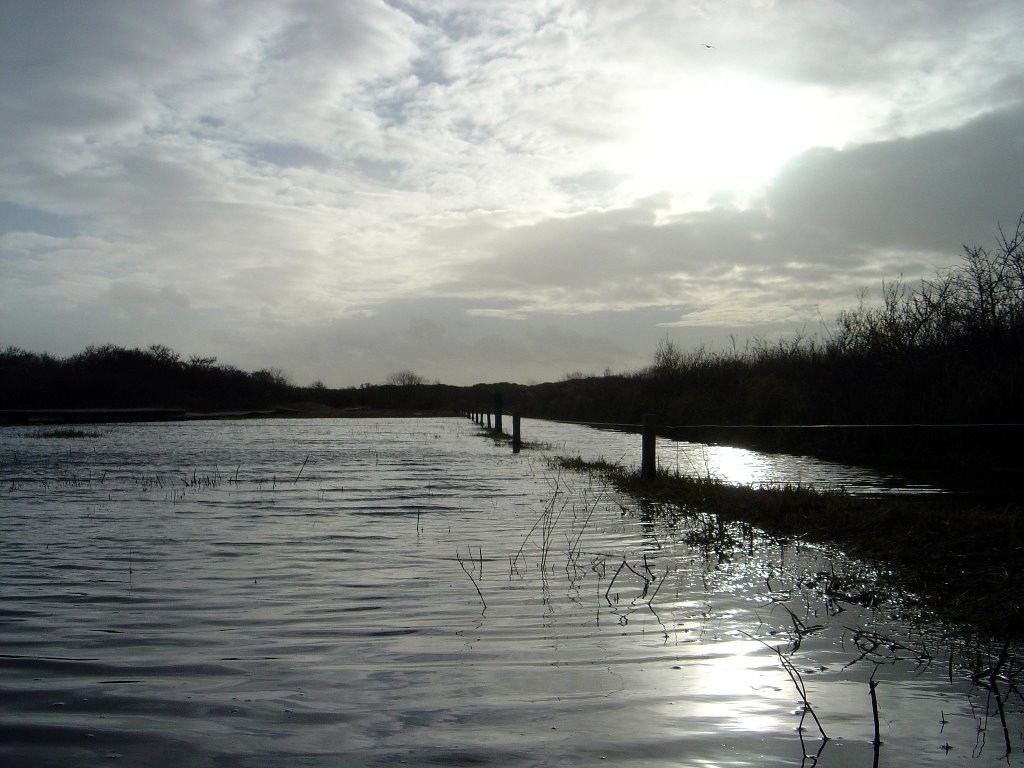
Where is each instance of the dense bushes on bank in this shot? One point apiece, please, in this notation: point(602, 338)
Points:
point(949, 349)
point(109, 376)
point(115, 377)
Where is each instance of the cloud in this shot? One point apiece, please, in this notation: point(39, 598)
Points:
point(344, 189)
point(832, 222)
point(929, 192)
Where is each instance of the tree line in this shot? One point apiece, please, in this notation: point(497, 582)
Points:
point(110, 376)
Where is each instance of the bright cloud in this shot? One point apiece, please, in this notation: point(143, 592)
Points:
point(544, 186)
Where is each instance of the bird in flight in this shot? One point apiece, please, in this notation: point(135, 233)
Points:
point(707, 45)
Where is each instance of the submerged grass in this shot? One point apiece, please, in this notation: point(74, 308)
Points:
point(64, 433)
point(965, 562)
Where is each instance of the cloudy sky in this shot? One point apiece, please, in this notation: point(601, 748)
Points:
point(486, 191)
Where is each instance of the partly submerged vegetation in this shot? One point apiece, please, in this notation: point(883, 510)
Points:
point(63, 434)
point(965, 563)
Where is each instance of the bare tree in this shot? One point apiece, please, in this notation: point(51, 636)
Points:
point(404, 378)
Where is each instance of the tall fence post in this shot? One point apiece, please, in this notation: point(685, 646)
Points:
point(517, 437)
point(488, 420)
point(497, 412)
point(648, 441)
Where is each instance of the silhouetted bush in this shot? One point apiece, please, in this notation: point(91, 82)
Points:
point(109, 376)
point(404, 378)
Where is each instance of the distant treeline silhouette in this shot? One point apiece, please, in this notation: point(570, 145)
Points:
point(109, 376)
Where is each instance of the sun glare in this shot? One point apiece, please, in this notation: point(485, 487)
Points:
point(740, 687)
point(728, 133)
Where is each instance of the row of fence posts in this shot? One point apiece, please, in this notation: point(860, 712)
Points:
point(482, 417)
point(648, 434)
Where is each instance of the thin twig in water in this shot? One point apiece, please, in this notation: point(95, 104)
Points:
point(798, 683)
point(574, 544)
point(799, 628)
point(302, 468)
point(472, 579)
point(625, 564)
point(874, 708)
point(657, 589)
point(546, 522)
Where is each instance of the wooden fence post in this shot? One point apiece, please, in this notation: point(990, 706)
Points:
point(517, 438)
point(497, 412)
point(648, 441)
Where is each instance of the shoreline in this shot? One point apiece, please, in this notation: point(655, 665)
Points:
point(963, 562)
point(60, 416)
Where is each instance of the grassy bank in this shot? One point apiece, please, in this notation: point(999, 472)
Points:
point(965, 564)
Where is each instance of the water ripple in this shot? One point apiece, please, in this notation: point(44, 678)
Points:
point(370, 592)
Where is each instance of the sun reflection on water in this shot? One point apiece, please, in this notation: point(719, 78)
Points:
point(736, 465)
point(738, 685)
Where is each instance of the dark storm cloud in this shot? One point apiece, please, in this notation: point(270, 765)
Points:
point(928, 192)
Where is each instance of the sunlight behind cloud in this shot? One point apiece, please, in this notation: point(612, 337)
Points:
point(728, 133)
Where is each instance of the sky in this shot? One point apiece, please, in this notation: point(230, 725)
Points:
point(482, 191)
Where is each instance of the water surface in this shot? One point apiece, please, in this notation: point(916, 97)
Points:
point(379, 592)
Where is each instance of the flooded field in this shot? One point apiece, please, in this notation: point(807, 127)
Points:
point(385, 592)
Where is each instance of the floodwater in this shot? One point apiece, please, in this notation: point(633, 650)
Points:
point(739, 466)
point(387, 592)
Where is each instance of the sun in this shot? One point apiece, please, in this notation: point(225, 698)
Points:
point(727, 133)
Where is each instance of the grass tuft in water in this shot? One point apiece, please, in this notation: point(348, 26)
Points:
point(65, 433)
